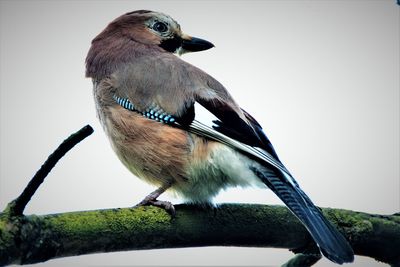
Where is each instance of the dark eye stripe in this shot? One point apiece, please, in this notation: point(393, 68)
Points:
point(172, 44)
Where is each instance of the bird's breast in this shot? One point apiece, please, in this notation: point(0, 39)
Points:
point(153, 151)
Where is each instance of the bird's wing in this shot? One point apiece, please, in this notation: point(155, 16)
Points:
point(175, 89)
point(174, 86)
point(231, 125)
point(238, 136)
point(237, 124)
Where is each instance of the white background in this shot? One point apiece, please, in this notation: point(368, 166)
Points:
point(322, 77)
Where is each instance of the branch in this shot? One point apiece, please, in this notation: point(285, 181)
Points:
point(32, 239)
point(17, 206)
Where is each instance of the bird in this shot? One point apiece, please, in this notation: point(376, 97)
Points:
point(148, 101)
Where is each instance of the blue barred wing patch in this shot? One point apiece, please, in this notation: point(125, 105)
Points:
point(154, 112)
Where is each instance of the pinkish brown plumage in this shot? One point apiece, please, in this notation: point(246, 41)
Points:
point(147, 100)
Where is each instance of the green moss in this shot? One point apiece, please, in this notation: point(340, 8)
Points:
point(6, 240)
point(5, 235)
point(111, 229)
point(353, 224)
point(114, 220)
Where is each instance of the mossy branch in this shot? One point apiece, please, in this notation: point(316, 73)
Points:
point(33, 239)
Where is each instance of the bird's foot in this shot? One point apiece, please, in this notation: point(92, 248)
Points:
point(168, 206)
point(151, 200)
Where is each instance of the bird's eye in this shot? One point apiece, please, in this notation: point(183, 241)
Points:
point(160, 27)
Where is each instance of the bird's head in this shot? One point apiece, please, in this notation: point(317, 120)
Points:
point(154, 28)
point(135, 33)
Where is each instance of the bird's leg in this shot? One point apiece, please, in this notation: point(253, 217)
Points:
point(151, 199)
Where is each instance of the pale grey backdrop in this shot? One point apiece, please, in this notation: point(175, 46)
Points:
point(322, 77)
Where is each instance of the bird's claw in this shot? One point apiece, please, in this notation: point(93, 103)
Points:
point(166, 205)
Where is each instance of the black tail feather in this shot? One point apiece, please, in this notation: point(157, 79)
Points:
point(331, 243)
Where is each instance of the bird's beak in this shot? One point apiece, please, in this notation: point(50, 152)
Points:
point(193, 44)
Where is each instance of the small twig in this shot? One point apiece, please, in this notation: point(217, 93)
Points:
point(17, 206)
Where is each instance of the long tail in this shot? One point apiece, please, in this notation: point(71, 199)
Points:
point(331, 243)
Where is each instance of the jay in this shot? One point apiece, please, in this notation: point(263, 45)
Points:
point(148, 101)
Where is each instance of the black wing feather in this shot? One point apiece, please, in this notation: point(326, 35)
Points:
point(232, 125)
point(267, 145)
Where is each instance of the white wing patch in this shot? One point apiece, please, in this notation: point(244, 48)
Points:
point(203, 125)
point(204, 116)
